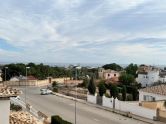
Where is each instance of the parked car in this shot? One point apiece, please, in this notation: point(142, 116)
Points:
point(45, 91)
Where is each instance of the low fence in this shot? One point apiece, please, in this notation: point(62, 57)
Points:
point(39, 115)
point(135, 109)
point(92, 98)
point(126, 107)
point(35, 82)
point(108, 102)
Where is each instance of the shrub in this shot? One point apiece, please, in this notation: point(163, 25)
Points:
point(129, 97)
point(55, 89)
point(54, 84)
point(107, 95)
point(114, 91)
point(14, 107)
point(120, 97)
point(58, 120)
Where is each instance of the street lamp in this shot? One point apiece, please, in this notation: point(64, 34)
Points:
point(5, 74)
point(26, 82)
point(76, 68)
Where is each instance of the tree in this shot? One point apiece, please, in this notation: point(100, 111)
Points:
point(124, 90)
point(114, 91)
point(91, 86)
point(135, 93)
point(102, 89)
point(132, 69)
point(113, 66)
point(126, 79)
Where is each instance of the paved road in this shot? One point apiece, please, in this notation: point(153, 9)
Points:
point(54, 105)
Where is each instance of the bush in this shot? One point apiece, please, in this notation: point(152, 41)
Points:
point(55, 89)
point(54, 84)
point(58, 120)
point(107, 95)
point(129, 97)
point(120, 97)
point(14, 107)
point(114, 91)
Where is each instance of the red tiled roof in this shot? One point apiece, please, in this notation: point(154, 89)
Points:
point(159, 89)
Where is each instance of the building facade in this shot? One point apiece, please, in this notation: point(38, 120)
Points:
point(108, 74)
point(147, 76)
point(153, 93)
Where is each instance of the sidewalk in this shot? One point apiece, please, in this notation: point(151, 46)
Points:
point(111, 110)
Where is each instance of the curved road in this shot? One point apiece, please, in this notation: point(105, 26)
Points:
point(54, 105)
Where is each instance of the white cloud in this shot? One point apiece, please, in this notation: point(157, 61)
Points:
point(64, 27)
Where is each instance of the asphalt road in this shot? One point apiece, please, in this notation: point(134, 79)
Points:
point(54, 105)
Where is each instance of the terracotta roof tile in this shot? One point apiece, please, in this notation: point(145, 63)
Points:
point(159, 89)
point(8, 92)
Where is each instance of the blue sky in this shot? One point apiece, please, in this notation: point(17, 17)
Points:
point(83, 31)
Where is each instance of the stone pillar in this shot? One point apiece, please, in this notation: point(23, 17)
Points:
point(4, 110)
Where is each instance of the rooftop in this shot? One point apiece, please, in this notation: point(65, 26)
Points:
point(23, 118)
point(159, 89)
point(8, 92)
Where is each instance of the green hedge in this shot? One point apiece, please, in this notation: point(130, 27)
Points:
point(58, 120)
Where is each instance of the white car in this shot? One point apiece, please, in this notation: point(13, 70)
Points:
point(45, 91)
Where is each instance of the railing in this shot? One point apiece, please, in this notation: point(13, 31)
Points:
point(28, 108)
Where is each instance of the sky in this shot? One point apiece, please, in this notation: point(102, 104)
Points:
point(83, 31)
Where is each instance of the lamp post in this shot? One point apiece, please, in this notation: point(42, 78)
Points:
point(26, 83)
point(5, 74)
point(76, 68)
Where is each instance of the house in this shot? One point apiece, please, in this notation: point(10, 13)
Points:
point(5, 94)
point(148, 75)
point(15, 78)
point(108, 74)
point(153, 93)
point(162, 76)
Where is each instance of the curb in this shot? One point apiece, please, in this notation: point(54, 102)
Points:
point(109, 109)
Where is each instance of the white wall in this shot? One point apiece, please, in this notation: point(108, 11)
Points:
point(91, 98)
point(108, 102)
point(4, 111)
point(156, 96)
point(135, 109)
point(148, 79)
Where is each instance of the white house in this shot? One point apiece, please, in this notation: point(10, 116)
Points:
point(5, 94)
point(148, 75)
point(153, 93)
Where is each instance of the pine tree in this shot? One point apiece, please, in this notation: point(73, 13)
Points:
point(102, 89)
point(91, 86)
point(124, 92)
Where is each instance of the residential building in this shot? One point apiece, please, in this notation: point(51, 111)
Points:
point(148, 75)
point(153, 93)
point(162, 76)
point(108, 74)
